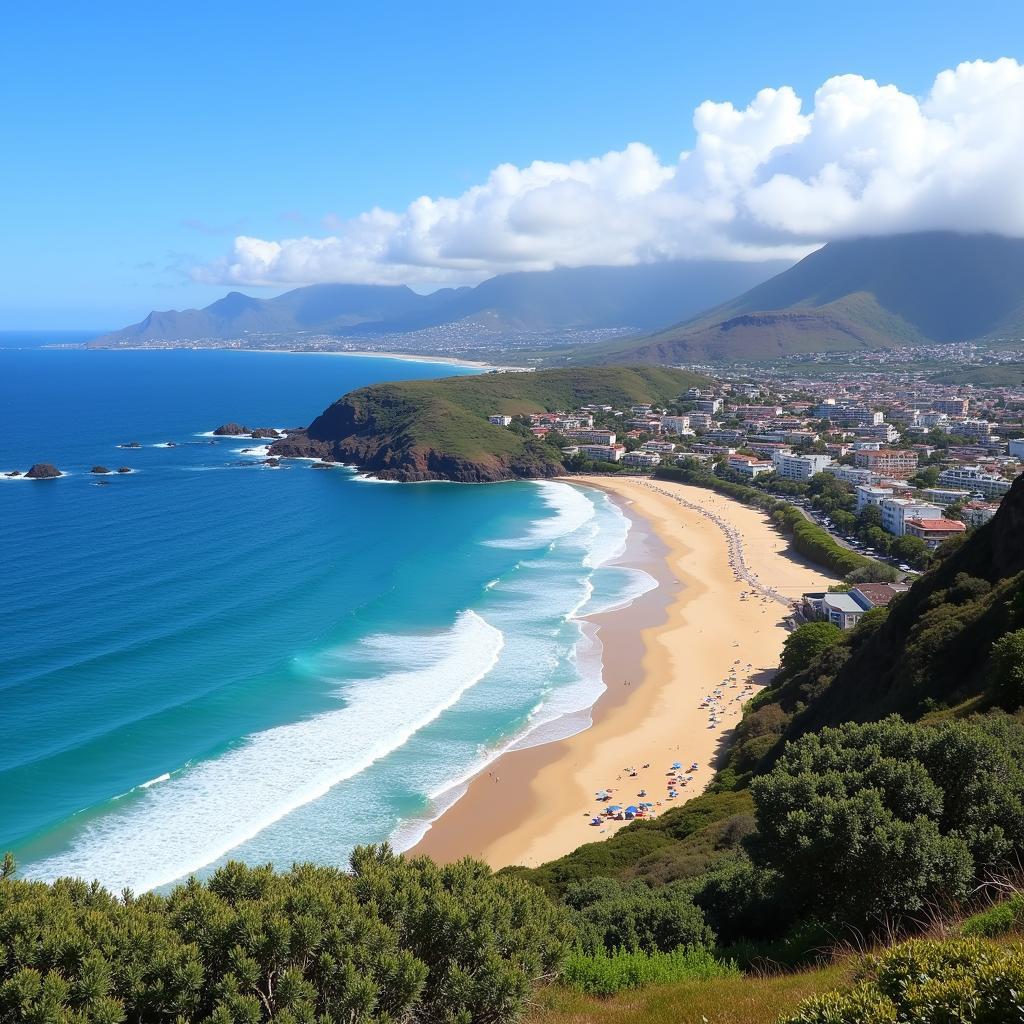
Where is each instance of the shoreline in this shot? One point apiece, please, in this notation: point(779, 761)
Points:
point(660, 656)
point(405, 357)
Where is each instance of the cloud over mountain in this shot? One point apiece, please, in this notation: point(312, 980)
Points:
point(769, 180)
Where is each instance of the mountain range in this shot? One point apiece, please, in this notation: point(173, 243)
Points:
point(858, 294)
point(641, 298)
point(866, 293)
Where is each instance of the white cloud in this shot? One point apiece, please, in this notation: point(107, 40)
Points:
point(767, 180)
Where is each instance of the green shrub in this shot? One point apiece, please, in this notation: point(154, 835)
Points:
point(960, 982)
point(394, 940)
point(604, 973)
point(1001, 919)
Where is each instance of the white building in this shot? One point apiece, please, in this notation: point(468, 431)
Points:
point(643, 460)
point(896, 512)
point(662, 447)
point(799, 467)
point(499, 421)
point(675, 424)
point(972, 428)
point(868, 495)
point(709, 405)
point(592, 436)
point(975, 480)
point(852, 474)
point(603, 452)
point(1016, 447)
point(749, 466)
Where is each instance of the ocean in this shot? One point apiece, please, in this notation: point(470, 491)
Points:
point(209, 659)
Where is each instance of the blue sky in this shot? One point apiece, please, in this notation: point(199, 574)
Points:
point(138, 141)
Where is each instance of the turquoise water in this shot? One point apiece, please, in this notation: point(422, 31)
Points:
point(208, 658)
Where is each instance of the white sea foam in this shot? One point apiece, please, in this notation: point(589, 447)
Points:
point(572, 509)
point(153, 782)
point(258, 451)
point(204, 812)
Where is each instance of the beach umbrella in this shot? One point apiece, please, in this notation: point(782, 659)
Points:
point(677, 764)
point(631, 809)
point(614, 808)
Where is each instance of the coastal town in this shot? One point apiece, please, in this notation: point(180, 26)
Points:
point(893, 467)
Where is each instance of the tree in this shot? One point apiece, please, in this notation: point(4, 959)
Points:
point(865, 822)
point(869, 515)
point(909, 549)
point(806, 642)
point(1007, 669)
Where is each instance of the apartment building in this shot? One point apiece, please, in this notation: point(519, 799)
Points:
point(799, 467)
point(603, 452)
point(641, 459)
point(869, 495)
point(887, 462)
point(896, 512)
point(975, 480)
point(934, 531)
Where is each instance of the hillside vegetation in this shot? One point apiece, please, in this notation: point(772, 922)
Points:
point(866, 293)
point(438, 429)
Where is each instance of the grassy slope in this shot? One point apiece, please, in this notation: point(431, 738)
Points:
point(449, 416)
point(743, 1000)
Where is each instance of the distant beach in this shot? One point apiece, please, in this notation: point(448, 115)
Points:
point(701, 630)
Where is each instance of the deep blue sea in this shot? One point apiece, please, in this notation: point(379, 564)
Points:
point(210, 659)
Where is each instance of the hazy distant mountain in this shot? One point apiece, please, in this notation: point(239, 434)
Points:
point(861, 294)
point(640, 297)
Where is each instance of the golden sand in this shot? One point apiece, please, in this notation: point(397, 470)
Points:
point(701, 629)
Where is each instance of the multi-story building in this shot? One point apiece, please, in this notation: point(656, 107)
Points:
point(951, 406)
point(749, 466)
point(675, 424)
point(945, 496)
point(757, 412)
point(603, 452)
point(934, 531)
point(662, 447)
point(1016, 447)
point(799, 467)
point(499, 421)
point(887, 462)
point(933, 419)
point(852, 474)
point(896, 512)
point(641, 459)
point(708, 405)
point(701, 420)
point(868, 495)
point(971, 428)
point(975, 480)
point(592, 436)
point(724, 436)
point(977, 513)
point(855, 415)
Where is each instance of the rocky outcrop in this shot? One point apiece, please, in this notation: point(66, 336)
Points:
point(43, 471)
point(130, 444)
point(13, 472)
point(231, 430)
point(125, 469)
point(268, 432)
point(99, 470)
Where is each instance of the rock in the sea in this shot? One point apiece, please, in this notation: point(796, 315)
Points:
point(227, 429)
point(13, 472)
point(124, 469)
point(272, 462)
point(130, 444)
point(99, 470)
point(266, 432)
point(43, 471)
point(321, 465)
point(172, 444)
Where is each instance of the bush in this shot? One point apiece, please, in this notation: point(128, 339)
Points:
point(604, 973)
point(631, 916)
point(868, 822)
point(806, 642)
point(928, 983)
point(396, 939)
point(1001, 919)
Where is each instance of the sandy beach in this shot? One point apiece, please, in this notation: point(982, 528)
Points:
point(715, 622)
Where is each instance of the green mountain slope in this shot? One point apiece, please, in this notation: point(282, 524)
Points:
point(865, 293)
point(438, 429)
